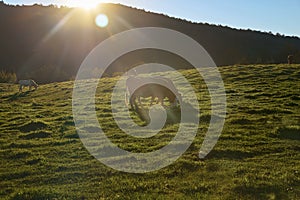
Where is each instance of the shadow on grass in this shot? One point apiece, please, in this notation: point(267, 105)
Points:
point(231, 154)
point(35, 135)
point(292, 133)
point(261, 192)
point(17, 95)
point(268, 111)
point(173, 114)
point(37, 194)
point(32, 126)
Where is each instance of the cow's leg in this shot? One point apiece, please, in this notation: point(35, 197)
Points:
point(126, 98)
point(30, 87)
point(20, 88)
point(131, 102)
point(160, 100)
point(157, 101)
point(173, 101)
point(152, 100)
point(140, 102)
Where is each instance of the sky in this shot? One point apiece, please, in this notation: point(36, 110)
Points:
point(277, 16)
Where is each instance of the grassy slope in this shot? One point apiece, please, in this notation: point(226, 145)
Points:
point(257, 156)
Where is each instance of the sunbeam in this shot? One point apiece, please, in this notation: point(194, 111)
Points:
point(58, 26)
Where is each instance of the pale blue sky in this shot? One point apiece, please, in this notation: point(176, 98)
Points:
point(278, 16)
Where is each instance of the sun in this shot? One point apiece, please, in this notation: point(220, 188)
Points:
point(86, 4)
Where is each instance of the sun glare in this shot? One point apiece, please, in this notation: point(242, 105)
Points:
point(87, 4)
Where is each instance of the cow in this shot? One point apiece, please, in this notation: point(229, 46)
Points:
point(154, 87)
point(30, 83)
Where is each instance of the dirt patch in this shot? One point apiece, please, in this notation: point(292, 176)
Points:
point(74, 135)
point(241, 121)
point(292, 133)
point(32, 126)
point(39, 134)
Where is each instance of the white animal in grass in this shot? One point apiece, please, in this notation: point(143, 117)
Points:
point(27, 83)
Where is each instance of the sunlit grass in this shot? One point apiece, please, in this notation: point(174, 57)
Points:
point(256, 157)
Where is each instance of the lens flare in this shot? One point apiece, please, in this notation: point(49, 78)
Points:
point(84, 107)
point(101, 20)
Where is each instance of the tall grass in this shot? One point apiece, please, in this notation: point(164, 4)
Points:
point(7, 77)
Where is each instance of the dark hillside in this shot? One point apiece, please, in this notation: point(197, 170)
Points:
point(48, 43)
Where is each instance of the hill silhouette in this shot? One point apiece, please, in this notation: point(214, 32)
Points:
point(48, 43)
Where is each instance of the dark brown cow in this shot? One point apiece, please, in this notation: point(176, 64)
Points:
point(153, 90)
point(143, 84)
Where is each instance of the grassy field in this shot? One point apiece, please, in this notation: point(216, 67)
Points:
point(256, 157)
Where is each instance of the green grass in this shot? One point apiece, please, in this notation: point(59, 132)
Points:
point(256, 157)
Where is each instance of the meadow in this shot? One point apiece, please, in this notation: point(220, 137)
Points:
point(256, 157)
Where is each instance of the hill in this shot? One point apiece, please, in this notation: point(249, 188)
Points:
point(256, 157)
point(48, 43)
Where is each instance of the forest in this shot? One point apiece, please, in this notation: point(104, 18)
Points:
point(48, 43)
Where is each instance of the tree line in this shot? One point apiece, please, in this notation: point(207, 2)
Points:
point(48, 43)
